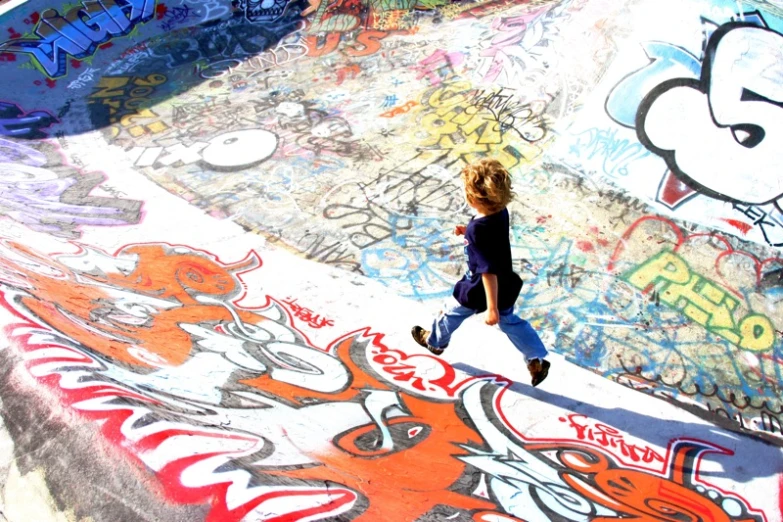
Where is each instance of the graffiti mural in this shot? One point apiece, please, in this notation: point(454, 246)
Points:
point(303, 162)
point(336, 131)
point(280, 427)
point(471, 124)
point(696, 130)
point(78, 32)
point(43, 192)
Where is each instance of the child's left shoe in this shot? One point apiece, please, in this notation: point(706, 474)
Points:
point(420, 335)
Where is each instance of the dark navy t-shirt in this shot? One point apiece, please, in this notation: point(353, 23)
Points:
point(489, 252)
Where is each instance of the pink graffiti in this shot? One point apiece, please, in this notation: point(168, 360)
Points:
point(438, 66)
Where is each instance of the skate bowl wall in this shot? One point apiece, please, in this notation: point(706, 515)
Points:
point(220, 220)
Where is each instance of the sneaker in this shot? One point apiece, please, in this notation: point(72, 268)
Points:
point(539, 369)
point(420, 335)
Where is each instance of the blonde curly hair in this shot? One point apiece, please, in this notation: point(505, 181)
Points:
point(488, 183)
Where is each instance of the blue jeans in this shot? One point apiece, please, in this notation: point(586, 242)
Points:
point(519, 331)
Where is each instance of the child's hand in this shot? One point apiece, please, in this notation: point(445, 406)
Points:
point(459, 230)
point(492, 317)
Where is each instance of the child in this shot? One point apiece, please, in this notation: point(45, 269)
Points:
point(490, 283)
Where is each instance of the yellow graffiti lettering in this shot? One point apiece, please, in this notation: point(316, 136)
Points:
point(130, 119)
point(153, 128)
point(702, 301)
point(140, 92)
point(491, 134)
point(450, 95)
point(455, 123)
point(135, 104)
point(157, 126)
point(437, 126)
point(691, 300)
point(665, 267)
point(114, 104)
point(151, 80)
point(757, 333)
point(470, 120)
point(464, 118)
point(136, 131)
point(729, 335)
point(110, 87)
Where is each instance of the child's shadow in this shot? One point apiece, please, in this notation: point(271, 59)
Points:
point(767, 458)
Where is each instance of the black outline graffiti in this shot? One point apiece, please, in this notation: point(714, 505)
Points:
point(702, 85)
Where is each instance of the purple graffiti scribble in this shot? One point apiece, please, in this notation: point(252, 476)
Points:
point(13, 152)
point(176, 16)
point(15, 122)
point(39, 191)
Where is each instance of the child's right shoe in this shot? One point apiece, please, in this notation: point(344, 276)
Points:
point(539, 369)
point(420, 335)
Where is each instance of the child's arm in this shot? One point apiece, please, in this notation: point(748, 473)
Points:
point(491, 289)
point(459, 230)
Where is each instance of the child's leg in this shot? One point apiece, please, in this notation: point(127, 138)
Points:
point(446, 323)
point(522, 335)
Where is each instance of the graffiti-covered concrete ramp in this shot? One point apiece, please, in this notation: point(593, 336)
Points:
point(220, 220)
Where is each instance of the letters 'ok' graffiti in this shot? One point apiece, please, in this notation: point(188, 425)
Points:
point(80, 31)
